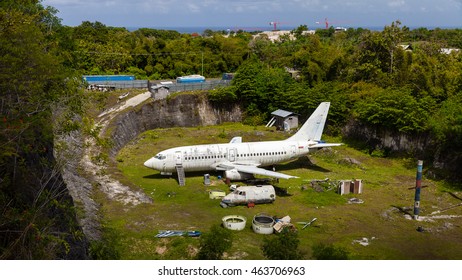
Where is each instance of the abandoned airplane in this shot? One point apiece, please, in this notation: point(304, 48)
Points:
point(241, 160)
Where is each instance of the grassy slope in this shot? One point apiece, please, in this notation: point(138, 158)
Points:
point(386, 183)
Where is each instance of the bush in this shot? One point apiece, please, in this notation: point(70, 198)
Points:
point(107, 247)
point(329, 252)
point(222, 95)
point(282, 247)
point(214, 243)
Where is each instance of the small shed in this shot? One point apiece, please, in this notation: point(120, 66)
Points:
point(283, 120)
point(159, 91)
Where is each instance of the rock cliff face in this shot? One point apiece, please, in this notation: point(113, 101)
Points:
point(442, 160)
point(380, 138)
point(80, 187)
point(185, 110)
point(81, 174)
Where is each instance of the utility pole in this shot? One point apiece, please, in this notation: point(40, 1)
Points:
point(418, 186)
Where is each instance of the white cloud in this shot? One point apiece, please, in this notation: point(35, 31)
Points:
point(110, 3)
point(458, 4)
point(258, 12)
point(193, 8)
point(396, 3)
point(210, 3)
point(152, 7)
point(61, 2)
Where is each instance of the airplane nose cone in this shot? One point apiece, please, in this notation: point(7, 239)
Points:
point(149, 163)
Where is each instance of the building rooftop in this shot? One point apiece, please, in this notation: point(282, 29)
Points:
point(282, 113)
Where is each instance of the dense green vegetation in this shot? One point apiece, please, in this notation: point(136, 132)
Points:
point(215, 243)
point(367, 76)
point(37, 218)
point(283, 246)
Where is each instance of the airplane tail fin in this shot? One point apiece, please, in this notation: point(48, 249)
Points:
point(313, 127)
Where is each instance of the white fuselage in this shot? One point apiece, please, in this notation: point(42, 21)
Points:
point(208, 157)
point(240, 160)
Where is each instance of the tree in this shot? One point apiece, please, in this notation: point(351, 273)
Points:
point(329, 252)
point(214, 243)
point(284, 246)
point(395, 109)
point(37, 221)
point(245, 81)
point(313, 60)
point(298, 32)
point(374, 58)
point(326, 33)
point(392, 35)
point(446, 123)
point(222, 95)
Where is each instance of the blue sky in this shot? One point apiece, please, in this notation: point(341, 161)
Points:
point(257, 13)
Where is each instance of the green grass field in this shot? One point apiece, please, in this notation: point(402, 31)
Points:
point(380, 218)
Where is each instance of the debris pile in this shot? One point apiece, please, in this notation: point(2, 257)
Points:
point(363, 241)
point(341, 186)
point(355, 200)
point(322, 185)
point(306, 224)
point(217, 194)
point(170, 233)
point(283, 223)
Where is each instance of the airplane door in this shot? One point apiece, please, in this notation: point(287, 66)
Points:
point(232, 155)
point(178, 158)
point(293, 151)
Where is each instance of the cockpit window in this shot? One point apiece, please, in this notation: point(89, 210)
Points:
point(160, 156)
point(239, 192)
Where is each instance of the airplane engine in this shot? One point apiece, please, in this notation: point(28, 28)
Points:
point(235, 175)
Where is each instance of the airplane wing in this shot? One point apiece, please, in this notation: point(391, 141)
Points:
point(252, 169)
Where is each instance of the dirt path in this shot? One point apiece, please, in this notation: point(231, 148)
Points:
point(110, 186)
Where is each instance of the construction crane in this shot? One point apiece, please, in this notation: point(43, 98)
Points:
point(325, 21)
point(328, 23)
point(275, 24)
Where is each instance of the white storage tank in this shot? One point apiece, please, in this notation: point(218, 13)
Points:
point(234, 222)
point(263, 224)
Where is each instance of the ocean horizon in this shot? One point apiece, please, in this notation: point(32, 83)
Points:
point(201, 29)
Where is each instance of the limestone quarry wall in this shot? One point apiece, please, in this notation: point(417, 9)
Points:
point(440, 159)
point(187, 110)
